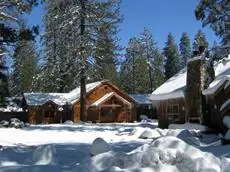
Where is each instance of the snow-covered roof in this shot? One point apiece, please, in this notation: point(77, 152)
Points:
point(107, 96)
point(34, 99)
point(141, 98)
point(74, 95)
point(61, 99)
point(222, 72)
point(175, 86)
point(172, 88)
point(173, 95)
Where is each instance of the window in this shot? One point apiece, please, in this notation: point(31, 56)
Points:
point(48, 114)
point(173, 112)
point(174, 108)
point(106, 111)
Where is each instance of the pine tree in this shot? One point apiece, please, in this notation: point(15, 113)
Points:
point(10, 11)
point(154, 60)
point(185, 49)
point(24, 66)
point(200, 40)
point(216, 14)
point(158, 69)
point(134, 70)
point(106, 52)
point(172, 63)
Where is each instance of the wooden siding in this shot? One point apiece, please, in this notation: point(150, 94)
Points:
point(163, 115)
point(36, 115)
point(96, 94)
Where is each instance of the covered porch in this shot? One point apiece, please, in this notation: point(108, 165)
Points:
point(110, 108)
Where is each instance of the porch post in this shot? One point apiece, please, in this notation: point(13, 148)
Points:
point(99, 113)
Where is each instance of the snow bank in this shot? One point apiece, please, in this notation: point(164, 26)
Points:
point(165, 154)
point(99, 146)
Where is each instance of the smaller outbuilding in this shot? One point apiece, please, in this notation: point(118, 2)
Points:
point(144, 106)
point(46, 107)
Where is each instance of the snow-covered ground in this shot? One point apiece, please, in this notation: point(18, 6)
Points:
point(127, 147)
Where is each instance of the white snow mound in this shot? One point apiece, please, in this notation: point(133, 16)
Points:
point(165, 153)
point(150, 134)
point(100, 146)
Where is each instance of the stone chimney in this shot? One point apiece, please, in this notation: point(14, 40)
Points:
point(195, 85)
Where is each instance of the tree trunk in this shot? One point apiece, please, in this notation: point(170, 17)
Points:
point(83, 110)
point(150, 73)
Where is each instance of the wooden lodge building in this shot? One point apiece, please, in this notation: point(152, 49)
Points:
point(183, 97)
point(105, 103)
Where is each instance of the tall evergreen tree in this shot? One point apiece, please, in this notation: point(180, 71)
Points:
point(106, 53)
point(200, 40)
point(172, 63)
point(134, 70)
point(24, 66)
point(185, 49)
point(158, 69)
point(154, 60)
point(10, 11)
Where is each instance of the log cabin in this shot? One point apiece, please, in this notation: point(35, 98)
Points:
point(104, 101)
point(183, 97)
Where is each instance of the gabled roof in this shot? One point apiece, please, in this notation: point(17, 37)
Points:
point(142, 99)
point(172, 88)
point(33, 99)
point(222, 72)
point(108, 96)
point(74, 95)
point(175, 86)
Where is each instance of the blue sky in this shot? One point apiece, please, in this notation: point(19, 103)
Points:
point(159, 16)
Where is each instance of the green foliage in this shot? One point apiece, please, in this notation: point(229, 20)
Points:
point(68, 51)
point(11, 10)
point(172, 63)
point(24, 67)
point(142, 70)
point(216, 14)
point(185, 49)
point(200, 40)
